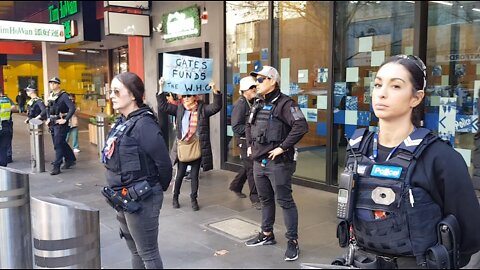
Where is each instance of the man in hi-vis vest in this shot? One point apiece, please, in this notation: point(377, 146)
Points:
point(6, 129)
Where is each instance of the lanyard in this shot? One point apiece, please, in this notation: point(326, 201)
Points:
point(374, 155)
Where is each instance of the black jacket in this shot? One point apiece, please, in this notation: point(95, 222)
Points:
point(147, 135)
point(203, 129)
point(289, 113)
point(240, 113)
point(442, 171)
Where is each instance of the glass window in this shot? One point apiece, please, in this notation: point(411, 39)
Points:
point(453, 85)
point(303, 50)
point(367, 33)
point(247, 41)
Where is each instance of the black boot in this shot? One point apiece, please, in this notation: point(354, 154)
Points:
point(55, 171)
point(195, 204)
point(175, 202)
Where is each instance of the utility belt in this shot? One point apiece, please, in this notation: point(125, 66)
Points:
point(127, 199)
point(283, 158)
point(55, 117)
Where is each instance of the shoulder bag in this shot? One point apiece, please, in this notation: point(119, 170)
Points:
point(189, 150)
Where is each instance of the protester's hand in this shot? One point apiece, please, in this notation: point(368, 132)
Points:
point(275, 152)
point(214, 89)
point(249, 151)
point(161, 82)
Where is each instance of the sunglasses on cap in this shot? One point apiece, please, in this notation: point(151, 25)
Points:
point(261, 79)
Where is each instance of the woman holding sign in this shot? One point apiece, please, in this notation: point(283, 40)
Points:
point(192, 132)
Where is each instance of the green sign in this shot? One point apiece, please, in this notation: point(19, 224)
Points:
point(181, 24)
point(65, 9)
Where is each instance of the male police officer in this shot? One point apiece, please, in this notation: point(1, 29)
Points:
point(275, 125)
point(60, 110)
point(240, 113)
point(35, 106)
point(6, 130)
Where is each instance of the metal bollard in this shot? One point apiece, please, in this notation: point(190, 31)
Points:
point(101, 132)
point(15, 227)
point(66, 234)
point(37, 150)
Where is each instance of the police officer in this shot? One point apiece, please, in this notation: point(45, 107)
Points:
point(60, 110)
point(136, 158)
point(6, 130)
point(412, 200)
point(240, 113)
point(275, 125)
point(35, 106)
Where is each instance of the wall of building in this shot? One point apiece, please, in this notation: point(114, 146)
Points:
point(212, 32)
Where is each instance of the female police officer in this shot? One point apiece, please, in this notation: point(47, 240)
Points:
point(409, 184)
point(138, 170)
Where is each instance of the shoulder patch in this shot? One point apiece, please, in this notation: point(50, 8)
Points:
point(297, 113)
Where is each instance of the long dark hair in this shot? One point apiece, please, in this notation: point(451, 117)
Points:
point(134, 84)
point(418, 76)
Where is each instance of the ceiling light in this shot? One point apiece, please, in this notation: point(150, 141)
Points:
point(443, 3)
point(476, 9)
point(65, 53)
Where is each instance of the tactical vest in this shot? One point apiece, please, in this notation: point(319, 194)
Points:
point(268, 128)
point(31, 105)
point(53, 106)
point(127, 161)
point(409, 229)
point(5, 109)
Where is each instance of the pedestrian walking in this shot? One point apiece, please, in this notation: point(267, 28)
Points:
point(60, 111)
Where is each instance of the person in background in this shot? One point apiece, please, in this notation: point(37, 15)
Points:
point(192, 118)
point(35, 107)
point(414, 196)
point(275, 126)
point(21, 99)
point(73, 127)
point(60, 110)
point(6, 127)
point(137, 167)
point(240, 113)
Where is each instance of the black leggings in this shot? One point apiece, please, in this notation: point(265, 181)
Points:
point(181, 171)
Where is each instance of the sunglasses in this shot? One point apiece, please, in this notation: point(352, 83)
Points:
point(261, 79)
point(419, 63)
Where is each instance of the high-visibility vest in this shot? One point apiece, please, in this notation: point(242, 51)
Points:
point(5, 109)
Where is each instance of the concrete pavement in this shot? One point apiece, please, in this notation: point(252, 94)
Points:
point(210, 238)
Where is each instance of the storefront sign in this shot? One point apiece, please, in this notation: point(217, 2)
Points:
point(187, 75)
point(181, 24)
point(458, 57)
point(126, 24)
point(32, 31)
point(65, 9)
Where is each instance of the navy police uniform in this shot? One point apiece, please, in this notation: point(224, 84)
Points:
point(275, 122)
point(36, 107)
point(402, 194)
point(60, 107)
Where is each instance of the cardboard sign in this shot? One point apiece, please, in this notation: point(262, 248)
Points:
point(186, 75)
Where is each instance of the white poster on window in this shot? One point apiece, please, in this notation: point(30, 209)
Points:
point(377, 58)
point(365, 44)
point(285, 75)
point(352, 74)
point(303, 76)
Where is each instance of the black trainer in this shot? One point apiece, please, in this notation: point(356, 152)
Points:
point(68, 165)
point(55, 170)
point(261, 239)
point(291, 254)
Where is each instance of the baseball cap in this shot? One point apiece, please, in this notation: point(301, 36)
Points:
point(30, 88)
point(246, 83)
point(55, 80)
point(269, 72)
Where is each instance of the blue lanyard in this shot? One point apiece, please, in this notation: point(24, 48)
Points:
point(374, 155)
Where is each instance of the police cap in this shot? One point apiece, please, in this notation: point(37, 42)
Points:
point(54, 80)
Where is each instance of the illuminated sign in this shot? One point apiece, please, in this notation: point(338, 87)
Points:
point(64, 10)
point(32, 31)
point(181, 24)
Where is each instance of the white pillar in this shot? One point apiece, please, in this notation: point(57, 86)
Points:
point(49, 65)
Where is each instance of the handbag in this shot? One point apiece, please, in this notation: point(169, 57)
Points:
point(189, 150)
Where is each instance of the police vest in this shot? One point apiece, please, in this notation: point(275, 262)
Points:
point(31, 105)
point(126, 160)
point(5, 109)
point(409, 228)
point(53, 106)
point(268, 128)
